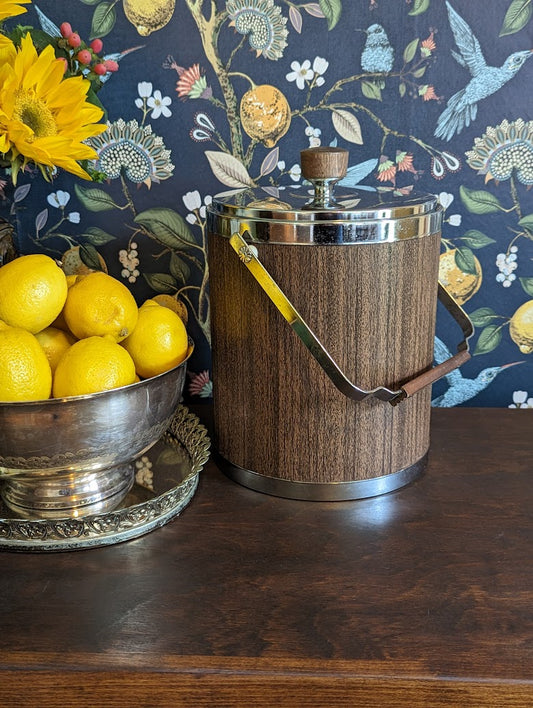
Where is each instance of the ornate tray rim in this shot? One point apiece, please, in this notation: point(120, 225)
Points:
point(123, 524)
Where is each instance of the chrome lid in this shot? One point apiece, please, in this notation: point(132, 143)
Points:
point(323, 212)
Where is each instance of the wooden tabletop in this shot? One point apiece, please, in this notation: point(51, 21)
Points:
point(420, 598)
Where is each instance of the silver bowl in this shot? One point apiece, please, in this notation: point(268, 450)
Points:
point(69, 457)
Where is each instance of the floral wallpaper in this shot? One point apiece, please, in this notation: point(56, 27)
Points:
point(212, 95)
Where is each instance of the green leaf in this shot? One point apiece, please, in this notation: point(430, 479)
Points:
point(517, 16)
point(527, 222)
point(419, 73)
point(104, 19)
point(419, 6)
point(40, 38)
point(90, 2)
point(479, 201)
point(178, 268)
point(476, 239)
point(527, 284)
point(96, 236)
point(161, 282)
point(465, 260)
point(401, 89)
point(332, 11)
point(89, 255)
point(489, 339)
point(167, 226)
point(371, 90)
point(94, 199)
point(410, 50)
point(483, 316)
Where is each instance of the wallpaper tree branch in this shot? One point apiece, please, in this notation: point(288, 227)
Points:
point(212, 95)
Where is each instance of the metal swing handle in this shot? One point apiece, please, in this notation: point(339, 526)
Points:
point(249, 257)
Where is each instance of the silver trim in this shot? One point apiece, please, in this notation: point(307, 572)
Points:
point(330, 491)
point(353, 230)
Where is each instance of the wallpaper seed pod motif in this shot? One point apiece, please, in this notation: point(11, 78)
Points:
point(504, 151)
point(132, 150)
point(262, 22)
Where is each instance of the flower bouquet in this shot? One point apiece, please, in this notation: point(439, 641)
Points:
point(48, 97)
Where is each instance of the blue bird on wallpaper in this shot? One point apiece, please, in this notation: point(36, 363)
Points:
point(462, 389)
point(461, 108)
point(378, 54)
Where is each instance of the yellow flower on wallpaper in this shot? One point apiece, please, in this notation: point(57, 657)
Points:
point(44, 118)
point(11, 8)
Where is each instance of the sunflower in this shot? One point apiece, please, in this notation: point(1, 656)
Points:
point(11, 8)
point(7, 50)
point(44, 118)
point(133, 150)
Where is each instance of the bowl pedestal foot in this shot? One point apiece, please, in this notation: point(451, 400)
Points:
point(70, 494)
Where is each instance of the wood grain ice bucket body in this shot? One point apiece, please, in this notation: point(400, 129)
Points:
point(320, 314)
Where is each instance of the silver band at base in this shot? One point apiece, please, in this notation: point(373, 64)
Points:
point(328, 491)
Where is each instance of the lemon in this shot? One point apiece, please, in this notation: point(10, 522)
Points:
point(98, 304)
point(173, 304)
point(59, 321)
point(55, 343)
point(521, 327)
point(33, 290)
point(148, 16)
point(25, 373)
point(265, 114)
point(462, 286)
point(91, 365)
point(158, 342)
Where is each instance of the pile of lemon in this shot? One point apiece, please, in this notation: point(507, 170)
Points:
point(78, 334)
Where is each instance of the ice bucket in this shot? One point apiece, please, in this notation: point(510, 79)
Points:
point(323, 319)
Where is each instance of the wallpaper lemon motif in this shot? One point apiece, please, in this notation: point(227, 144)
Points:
point(213, 95)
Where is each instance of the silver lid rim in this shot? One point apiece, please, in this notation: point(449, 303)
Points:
point(333, 231)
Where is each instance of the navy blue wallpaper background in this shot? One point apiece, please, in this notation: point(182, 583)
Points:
point(212, 95)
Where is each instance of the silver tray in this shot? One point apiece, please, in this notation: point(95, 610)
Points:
point(166, 478)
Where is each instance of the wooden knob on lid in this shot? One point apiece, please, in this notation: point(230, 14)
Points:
point(324, 163)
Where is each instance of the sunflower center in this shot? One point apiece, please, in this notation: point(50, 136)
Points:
point(33, 112)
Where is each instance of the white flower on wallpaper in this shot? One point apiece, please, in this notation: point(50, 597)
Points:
point(152, 102)
point(304, 75)
point(445, 200)
point(521, 400)
point(193, 203)
point(159, 105)
point(300, 73)
point(320, 66)
point(59, 200)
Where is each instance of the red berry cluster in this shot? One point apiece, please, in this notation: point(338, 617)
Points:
point(86, 55)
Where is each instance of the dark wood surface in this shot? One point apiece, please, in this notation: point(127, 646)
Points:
point(421, 598)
